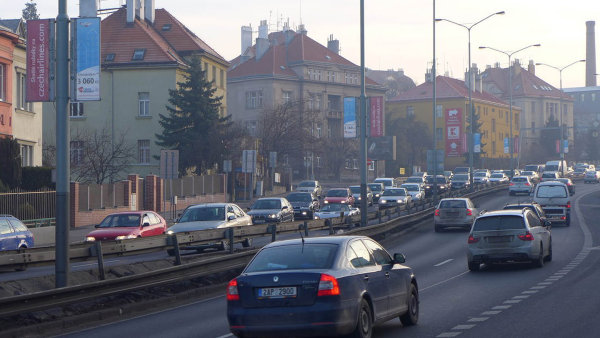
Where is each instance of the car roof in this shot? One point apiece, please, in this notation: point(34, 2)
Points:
point(338, 189)
point(413, 184)
point(316, 240)
point(270, 198)
point(138, 212)
point(550, 183)
point(504, 212)
point(204, 205)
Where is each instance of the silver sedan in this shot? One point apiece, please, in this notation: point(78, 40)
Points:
point(455, 212)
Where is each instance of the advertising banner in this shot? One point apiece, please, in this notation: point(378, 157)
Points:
point(476, 142)
point(506, 146)
point(376, 104)
point(566, 146)
point(454, 133)
point(381, 148)
point(86, 33)
point(349, 117)
point(38, 60)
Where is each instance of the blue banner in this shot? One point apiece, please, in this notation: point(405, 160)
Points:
point(349, 117)
point(506, 146)
point(565, 146)
point(87, 58)
point(477, 143)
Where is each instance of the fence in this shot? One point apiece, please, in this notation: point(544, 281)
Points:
point(28, 205)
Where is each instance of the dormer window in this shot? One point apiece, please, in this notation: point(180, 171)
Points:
point(166, 27)
point(109, 57)
point(139, 54)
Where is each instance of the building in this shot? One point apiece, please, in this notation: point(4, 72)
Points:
point(19, 119)
point(144, 53)
point(393, 80)
point(452, 100)
point(586, 120)
point(289, 66)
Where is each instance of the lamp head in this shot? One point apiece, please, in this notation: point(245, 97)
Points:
point(500, 13)
point(438, 20)
point(482, 47)
point(582, 60)
point(537, 45)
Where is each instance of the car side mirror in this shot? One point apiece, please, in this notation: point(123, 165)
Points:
point(399, 258)
point(97, 226)
point(146, 224)
point(230, 217)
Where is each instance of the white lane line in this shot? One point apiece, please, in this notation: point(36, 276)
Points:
point(521, 297)
point(512, 301)
point(478, 319)
point(463, 327)
point(444, 281)
point(448, 334)
point(226, 335)
point(539, 287)
point(501, 307)
point(490, 313)
point(530, 291)
point(545, 283)
point(444, 262)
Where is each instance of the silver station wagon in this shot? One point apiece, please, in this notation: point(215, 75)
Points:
point(455, 212)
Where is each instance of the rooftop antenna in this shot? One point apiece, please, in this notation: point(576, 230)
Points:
point(300, 11)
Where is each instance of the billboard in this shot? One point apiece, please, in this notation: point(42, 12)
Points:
point(349, 117)
point(454, 133)
point(86, 63)
point(381, 148)
point(506, 145)
point(39, 34)
point(376, 116)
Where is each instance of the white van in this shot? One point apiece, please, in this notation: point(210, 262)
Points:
point(559, 166)
point(554, 198)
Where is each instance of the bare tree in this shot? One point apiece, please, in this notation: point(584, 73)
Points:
point(339, 150)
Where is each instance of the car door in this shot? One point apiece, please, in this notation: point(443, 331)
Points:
point(371, 276)
point(156, 224)
point(7, 238)
point(538, 230)
point(146, 230)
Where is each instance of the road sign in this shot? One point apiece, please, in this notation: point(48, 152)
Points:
point(227, 166)
point(248, 161)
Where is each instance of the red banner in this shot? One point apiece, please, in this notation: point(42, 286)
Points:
point(454, 134)
point(376, 116)
point(38, 60)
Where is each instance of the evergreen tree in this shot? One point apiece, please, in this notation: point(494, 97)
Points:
point(476, 129)
point(10, 162)
point(193, 125)
point(549, 136)
point(30, 11)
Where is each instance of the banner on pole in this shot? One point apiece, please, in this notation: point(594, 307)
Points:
point(349, 117)
point(454, 132)
point(376, 114)
point(86, 59)
point(477, 143)
point(506, 146)
point(39, 53)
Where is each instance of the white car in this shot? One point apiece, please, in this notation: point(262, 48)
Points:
point(210, 216)
point(481, 177)
point(414, 189)
point(499, 177)
point(335, 210)
point(394, 197)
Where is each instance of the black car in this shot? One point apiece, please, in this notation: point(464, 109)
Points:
point(318, 287)
point(460, 181)
point(377, 189)
point(531, 205)
point(304, 203)
point(442, 185)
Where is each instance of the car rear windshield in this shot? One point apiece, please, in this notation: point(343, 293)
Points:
point(355, 190)
point(267, 204)
point(386, 183)
point(411, 187)
point(337, 193)
point(293, 257)
point(499, 223)
point(552, 191)
point(299, 197)
point(461, 178)
point(519, 179)
point(414, 180)
point(481, 174)
point(394, 192)
point(453, 204)
point(532, 167)
point(307, 184)
point(375, 187)
point(497, 176)
point(548, 175)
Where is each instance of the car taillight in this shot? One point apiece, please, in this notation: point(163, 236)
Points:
point(328, 286)
point(511, 183)
point(527, 237)
point(569, 204)
point(437, 212)
point(527, 184)
point(469, 212)
point(232, 290)
point(472, 239)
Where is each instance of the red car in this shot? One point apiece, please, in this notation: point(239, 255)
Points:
point(127, 225)
point(339, 195)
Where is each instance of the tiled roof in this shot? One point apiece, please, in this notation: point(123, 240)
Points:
point(14, 25)
point(446, 88)
point(524, 83)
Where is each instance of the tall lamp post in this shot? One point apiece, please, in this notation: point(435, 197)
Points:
point(510, 91)
point(468, 28)
point(562, 146)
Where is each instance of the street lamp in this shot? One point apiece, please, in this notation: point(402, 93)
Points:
point(562, 147)
point(468, 28)
point(510, 90)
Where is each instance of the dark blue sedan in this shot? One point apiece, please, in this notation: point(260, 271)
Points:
point(321, 286)
point(14, 235)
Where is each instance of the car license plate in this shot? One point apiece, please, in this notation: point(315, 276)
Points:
point(452, 214)
point(280, 292)
point(258, 221)
point(498, 239)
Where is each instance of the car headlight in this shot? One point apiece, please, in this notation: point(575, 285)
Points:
point(326, 202)
point(317, 217)
point(304, 213)
point(170, 232)
point(376, 195)
point(273, 216)
point(400, 201)
point(359, 198)
point(383, 201)
point(119, 238)
point(343, 202)
point(90, 239)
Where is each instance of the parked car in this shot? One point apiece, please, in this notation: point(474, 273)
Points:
point(14, 235)
point(305, 204)
point(335, 210)
point(455, 212)
point(591, 176)
point(554, 198)
point(317, 287)
point(271, 209)
point(460, 181)
point(128, 225)
point(311, 186)
point(498, 178)
point(210, 216)
point(339, 195)
point(569, 183)
point(520, 184)
point(442, 185)
point(377, 190)
point(415, 191)
point(531, 205)
point(355, 189)
point(481, 177)
point(388, 182)
point(394, 197)
point(509, 236)
point(549, 176)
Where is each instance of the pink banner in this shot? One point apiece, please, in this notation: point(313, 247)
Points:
point(454, 134)
point(376, 116)
point(38, 60)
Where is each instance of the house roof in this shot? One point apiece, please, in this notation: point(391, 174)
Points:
point(14, 25)
point(446, 87)
point(525, 83)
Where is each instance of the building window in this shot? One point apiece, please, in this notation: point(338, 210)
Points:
point(222, 80)
point(500, 112)
point(330, 76)
point(138, 54)
point(76, 152)
point(26, 155)
point(110, 57)
point(214, 74)
point(22, 93)
point(354, 163)
point(76, 109)
point(144, 103)
point(287, 97)
point(251, 127)
point(2, 82)
point(493, 125)
point(439, 111)
point(254, 99)
point(506, 117)
point(410, 111)
point(144, 151)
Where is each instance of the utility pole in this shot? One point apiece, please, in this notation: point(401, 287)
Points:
point(363, 122)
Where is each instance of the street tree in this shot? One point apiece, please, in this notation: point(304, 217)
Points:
point(30, 11)
point(193, 124)
point(413, 138)
point(477, 124)
point(339, 150)
point(10, 163)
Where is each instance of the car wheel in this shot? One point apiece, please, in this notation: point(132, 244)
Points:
point(568, 220)
point(539, 262)
point(549, 257)
point(473, 266)
point(411, 317)
point(364, 325)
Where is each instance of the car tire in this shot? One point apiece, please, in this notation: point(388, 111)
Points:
point(539, 262)
point(549, 257)
point(473, 266)
point(364, 323)
point(568, 220)
point(411, 317)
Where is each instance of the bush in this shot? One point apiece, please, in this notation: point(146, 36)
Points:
point(10, 162)
point(35, 178)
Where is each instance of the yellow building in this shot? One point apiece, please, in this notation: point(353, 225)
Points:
point(452, 100)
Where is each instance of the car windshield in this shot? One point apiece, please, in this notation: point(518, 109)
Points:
point(375, 187)
point(200, 214)
point(579, 170)
point(497, 176)
point(307, 184)
point(386, 183)
point(531, 167)
point(335, 207)
point(394, 192)
point(414, 180)
point(461, 178)
point(299, 197)
point(453, 204)
point(120, 220)
point(294, 257)
point(552, 167)
point(499, 223)
point(480, 174)
point(267, 204)
point(519, 179)
point(355, 190)
point(551, 191)
point(548, 175)
point(527, 173)
point(337, 193)
point(411, 187)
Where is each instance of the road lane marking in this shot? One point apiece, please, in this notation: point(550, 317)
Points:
point(538, 287)
point(444, 262)
point(93, 264)
point(501, 307)
point(512, 301)
point(448, 334)
point(226, 335)
point(478, 319)
point(530, 291)
point(521, 297)
point(489, 313)
point(463, 327)
point(444, 281)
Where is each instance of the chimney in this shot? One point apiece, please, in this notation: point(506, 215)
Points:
point(497, 65)
point(333, 44)
point(139, 9)
point(131, 11)
point(262, 45)
point(531, 67)
point(149, 10)
point(263, 30)
point(474, 72)
point(590, 54)
point(88, 9)
point(428, 75)
point(478, 83)
point(302, 29)
point(246, 38)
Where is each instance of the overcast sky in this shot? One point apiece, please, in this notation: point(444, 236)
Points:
point(398, 33)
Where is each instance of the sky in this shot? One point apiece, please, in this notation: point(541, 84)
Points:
point(398, 33)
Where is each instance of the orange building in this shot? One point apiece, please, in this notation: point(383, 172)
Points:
point(8, 40)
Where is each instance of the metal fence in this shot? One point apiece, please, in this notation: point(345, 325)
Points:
point(193, 186)
point(27, 205)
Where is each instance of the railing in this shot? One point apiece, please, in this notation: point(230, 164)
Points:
point(28, 205)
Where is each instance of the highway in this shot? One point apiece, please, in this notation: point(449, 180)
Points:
point(558, 300)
